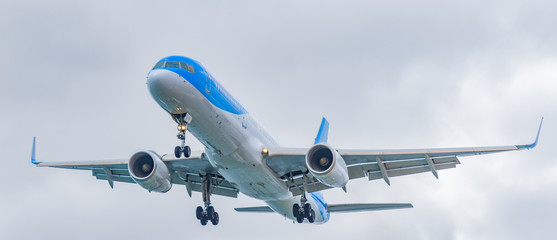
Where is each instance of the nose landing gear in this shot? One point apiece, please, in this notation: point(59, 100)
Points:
point(183, 120)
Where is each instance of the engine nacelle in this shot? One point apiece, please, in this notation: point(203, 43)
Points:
point(149, 171)
point(327, 166)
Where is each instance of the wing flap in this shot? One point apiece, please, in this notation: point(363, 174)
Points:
point(222, 188)
point(114, 171)
point(126, 179)
point(418, 169)
point(373, 173)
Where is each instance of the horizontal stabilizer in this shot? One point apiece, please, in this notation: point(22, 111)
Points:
point(254, 209)
point(360, 207)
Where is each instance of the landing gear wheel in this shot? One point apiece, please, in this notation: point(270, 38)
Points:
point(210, 212)
point(182, 119)
point(300, 218)
point(177, 152)
point(186, 151)
point(311, 217)
point(206, 213)
point(215, 219)
point(296, 210)
point(307, 209)
point(199, 213)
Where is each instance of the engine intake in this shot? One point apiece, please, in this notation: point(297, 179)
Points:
point(149, 171)
point(326, 165)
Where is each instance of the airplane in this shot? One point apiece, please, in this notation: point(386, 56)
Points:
point(240, 156)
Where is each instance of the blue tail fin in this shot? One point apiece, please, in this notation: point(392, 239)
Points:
point(323, 133)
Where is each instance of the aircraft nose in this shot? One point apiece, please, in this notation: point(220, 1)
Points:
point(161, 82)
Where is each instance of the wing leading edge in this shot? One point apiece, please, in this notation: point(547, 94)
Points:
point(289, 163)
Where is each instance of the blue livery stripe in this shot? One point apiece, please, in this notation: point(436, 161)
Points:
point(206, 85)
point(321, 205)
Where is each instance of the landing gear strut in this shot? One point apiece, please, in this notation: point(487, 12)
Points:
point(206, 213)
point(303, 210)
point(183, 120)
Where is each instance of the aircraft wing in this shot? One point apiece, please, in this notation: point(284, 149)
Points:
point(184, 171)
point(289, 163)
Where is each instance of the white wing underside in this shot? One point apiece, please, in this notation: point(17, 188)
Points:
point(289, 164)
point(184, 171)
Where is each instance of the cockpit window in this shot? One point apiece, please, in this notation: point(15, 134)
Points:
point(187, 67)
point(172, 64)
point(159, 64)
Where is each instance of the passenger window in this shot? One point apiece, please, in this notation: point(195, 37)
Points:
point(158, 65)
point(172, 65)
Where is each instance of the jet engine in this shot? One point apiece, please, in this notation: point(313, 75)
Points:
point(326, 165)
point(149, 171)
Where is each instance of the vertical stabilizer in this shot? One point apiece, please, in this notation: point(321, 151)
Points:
point(323, 133)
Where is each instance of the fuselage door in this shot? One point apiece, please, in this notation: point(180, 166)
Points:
point(208, 81)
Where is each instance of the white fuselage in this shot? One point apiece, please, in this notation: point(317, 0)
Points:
point(233, 142)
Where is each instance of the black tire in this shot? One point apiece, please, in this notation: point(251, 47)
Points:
point(300, 218)
point(177, 152)
point(187, 151)
point(204, 221)
point(199, 213)
point(307, 209)
point(215, 219)
point(296, 210)
point(311, 217)
point(210, 212)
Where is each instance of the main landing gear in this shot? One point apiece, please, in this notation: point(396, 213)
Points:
point(303, 210)
point(183, 120)
point(208, 213)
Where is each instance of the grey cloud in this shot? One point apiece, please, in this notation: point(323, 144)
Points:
point(385, 74)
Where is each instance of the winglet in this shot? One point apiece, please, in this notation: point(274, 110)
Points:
point(33, 159)
point(323, 133)
point(533, 145)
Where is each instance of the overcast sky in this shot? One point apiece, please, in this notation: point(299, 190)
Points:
point(387, 74)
